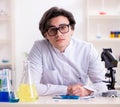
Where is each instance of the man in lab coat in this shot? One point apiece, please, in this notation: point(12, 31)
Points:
point(61, 64)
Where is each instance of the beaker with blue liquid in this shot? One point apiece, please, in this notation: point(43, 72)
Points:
point(6, 90)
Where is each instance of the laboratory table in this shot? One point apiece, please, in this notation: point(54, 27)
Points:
point(48, 101)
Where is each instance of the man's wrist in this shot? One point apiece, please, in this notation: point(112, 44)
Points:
point(68, 90)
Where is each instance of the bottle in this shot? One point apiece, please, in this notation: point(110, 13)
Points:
point(99, 35)
point(27, 91)
point(118, 34)
point(0, 80)
point(112, 35)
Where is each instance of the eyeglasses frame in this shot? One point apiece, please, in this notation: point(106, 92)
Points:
point(58, 28)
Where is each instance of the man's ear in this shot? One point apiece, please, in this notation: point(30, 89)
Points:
point(45, 35)
point(72, 31)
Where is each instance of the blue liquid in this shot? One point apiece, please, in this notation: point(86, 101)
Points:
point(69, 97)
point(6, 96)
point(66, 97)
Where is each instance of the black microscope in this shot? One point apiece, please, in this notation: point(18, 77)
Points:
point(110, 63)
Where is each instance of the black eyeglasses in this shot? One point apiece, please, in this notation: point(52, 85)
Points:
point(63, 28)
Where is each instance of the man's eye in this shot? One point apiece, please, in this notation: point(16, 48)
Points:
point(62, 27)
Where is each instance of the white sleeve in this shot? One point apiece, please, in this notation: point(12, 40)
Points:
point(35, 57)
point(96, 72)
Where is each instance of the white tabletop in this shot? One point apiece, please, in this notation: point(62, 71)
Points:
point(48, 101)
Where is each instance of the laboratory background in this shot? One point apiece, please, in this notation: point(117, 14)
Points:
point(97, 21)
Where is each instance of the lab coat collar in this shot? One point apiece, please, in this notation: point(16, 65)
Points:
point(67, 50)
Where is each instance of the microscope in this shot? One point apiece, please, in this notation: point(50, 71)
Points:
point(110, 63)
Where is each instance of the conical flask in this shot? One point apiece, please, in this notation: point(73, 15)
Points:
point(27, 91)
point(6, 89)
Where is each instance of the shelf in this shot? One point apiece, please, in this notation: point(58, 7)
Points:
point(4, 41)
point(108, 16)
point(4, 18)
point(5, 65)
point(7, 31)
point(105, 40)
point(103, 17)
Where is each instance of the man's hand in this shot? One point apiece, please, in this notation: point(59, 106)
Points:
point(78, 90)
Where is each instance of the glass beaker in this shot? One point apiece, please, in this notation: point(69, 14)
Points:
point(6, 89)
point(27, 91)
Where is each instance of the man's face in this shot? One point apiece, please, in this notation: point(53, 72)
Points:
point(59, 33)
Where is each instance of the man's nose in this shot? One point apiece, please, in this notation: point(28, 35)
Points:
point(58, 33)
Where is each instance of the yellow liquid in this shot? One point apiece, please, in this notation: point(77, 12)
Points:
point(111, 35)
point(118, 35)
point(27, 93)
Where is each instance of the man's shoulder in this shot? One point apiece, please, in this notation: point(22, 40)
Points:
point(41, 42)
point(79, 42)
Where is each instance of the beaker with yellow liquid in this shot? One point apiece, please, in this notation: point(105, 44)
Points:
point(27, 91)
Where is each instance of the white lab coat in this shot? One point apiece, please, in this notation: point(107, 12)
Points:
point(52, 71)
